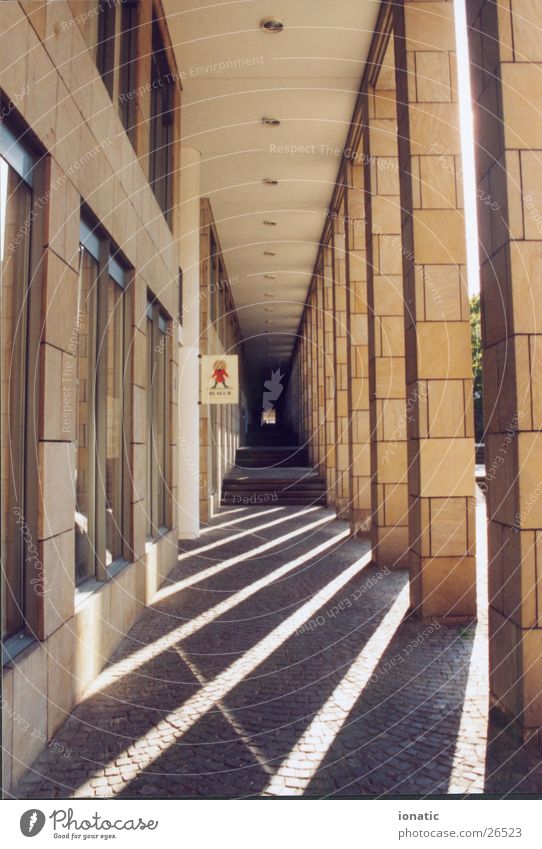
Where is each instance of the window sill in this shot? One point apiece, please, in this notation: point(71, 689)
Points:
point(150, 541)
point(116, 567)
point(14, 646)
point(85, 590)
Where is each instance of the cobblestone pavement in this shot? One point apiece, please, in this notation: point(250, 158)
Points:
point(276, 660)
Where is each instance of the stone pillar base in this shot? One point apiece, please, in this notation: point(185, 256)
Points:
point(443, 588)
point(360, 522)
point(390, 547)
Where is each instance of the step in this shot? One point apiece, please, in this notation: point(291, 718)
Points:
point(305, 483)
point(277, 498)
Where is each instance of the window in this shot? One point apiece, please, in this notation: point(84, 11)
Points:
point(102, 400)
point(128, 55)
point(115, 353)
point(222, 300)
point(16, 181)
point(161, 141)
point(158, 454)
point(213, 288)
point(85, 422)
point(105, 47)
point(181, 296)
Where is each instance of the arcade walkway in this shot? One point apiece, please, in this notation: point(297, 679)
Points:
point(276, 660)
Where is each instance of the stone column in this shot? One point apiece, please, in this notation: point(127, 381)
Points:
point(506, 52)
point(188, 384)
point(309, 361)
point(357, 352)
point(386, 324)
point(437, 328)
point(304, 385)
point(315, 435)
point(320, 354)
point(205, 440)
point(329, 376)
point(342, 494)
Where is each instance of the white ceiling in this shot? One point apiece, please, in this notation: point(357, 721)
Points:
point(307, 76)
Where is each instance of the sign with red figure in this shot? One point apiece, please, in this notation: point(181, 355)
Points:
point(220, 379)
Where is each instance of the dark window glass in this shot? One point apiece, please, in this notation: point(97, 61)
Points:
point(158, 417)
point(114, 457)
point(161, 142)
point(105, 47)
point(128, 57)
point(15, 208)
point(85, 419)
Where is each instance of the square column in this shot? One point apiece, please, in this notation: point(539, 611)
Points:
point(437, 326)
point(386, 324)
point(506, 56)
point(321, 431)
point(357, 353)
point(313, 377)
point(313, 332)
point(329, 371)
point(342, 454)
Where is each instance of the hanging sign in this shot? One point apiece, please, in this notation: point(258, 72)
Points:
point(219, 379)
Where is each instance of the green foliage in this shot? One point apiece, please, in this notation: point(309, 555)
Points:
point(476, 341)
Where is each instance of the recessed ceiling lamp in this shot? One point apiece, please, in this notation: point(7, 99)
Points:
point(269, 253)
point(272, 25)
point(270, 122)
point(269, 182)
point(270, 223)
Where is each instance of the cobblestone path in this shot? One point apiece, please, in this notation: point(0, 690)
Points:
point(276, 660)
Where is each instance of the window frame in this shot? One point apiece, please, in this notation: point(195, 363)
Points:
point(162, 121)
point(105, 43)
point(159, 324)
point(128, 70)
point(112, 266)
point(28, 161)
point(117, 270)
point(90, 245)
point(181, 297)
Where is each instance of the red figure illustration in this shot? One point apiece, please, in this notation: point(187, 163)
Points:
point(220, 374)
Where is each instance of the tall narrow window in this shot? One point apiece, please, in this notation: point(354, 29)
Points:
point(213, 261)
point(161, 125)
point(16, 167)
point(128, 56)
point(158, 420)
point(114, 443)
point(101, 407)
point(85, 421)
point(161, 419)
point(150, 448)
point(181, 296)
point(105, 47)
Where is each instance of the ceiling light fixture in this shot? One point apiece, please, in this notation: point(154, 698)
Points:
point(270, 182)
point(272, 25)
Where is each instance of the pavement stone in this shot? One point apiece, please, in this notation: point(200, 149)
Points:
point(218, 692)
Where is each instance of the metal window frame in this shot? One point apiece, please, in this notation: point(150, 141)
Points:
point(17, 155)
